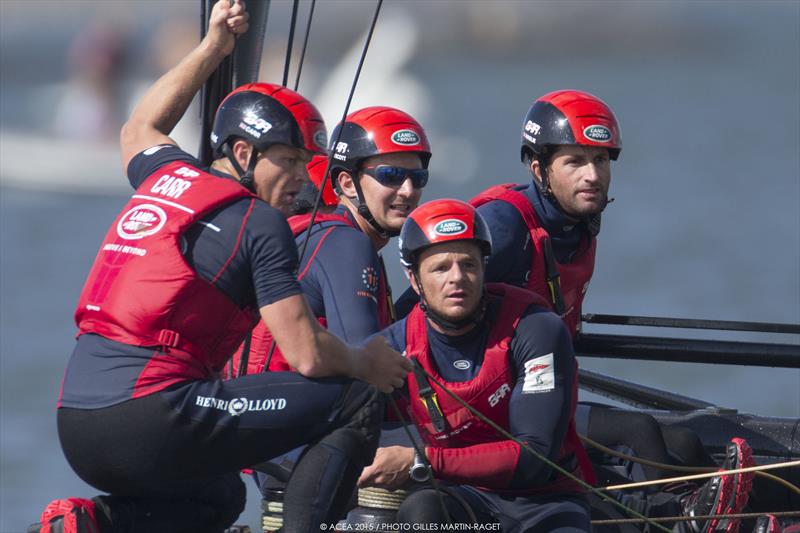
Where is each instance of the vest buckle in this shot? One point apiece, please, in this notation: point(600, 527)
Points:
point(168, 338)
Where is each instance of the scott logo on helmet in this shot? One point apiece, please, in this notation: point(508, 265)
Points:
point(597, 133)
point(451, 226)
point(405, 137)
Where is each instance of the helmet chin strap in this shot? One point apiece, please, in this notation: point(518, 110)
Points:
point(245, 177)
point(364, 212)
point(472, 319)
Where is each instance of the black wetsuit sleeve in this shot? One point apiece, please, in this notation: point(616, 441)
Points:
point(269, 244)
point(541, 404)
point(343, 271)
point(148, 161)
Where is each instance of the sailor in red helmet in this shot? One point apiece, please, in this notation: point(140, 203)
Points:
point(378, 170)
point(188, 267)
point(544, 235)
point(500, 349)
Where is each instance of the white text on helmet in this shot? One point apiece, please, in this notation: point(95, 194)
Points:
point(532, 127)
point(255, 125)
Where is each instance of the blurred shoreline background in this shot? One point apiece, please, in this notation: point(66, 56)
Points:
point(706, 222)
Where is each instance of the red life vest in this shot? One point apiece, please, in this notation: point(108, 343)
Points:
point(261, 341)
point(489, 393)
point(574, 276)
point(142, 292)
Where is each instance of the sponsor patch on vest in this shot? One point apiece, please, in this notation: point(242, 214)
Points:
point(451, 226)
point(141, 221)
point(462, 364)
point(405, 137)
point(597, 133)
point(539, 375)
point(239, 406)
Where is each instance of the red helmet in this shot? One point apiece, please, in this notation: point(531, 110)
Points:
point(316, 171)
point(441, 221)
point(265, 114)
point(374, 131)
point(569, 117)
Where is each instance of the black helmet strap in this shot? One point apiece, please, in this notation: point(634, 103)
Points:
point(365, 213)
point(245, 177)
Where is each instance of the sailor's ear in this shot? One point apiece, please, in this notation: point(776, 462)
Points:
point(412, 279)
point(536, 170)
point(241, 151)
point(346, 185)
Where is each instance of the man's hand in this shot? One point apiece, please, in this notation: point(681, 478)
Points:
point(382, 366)
point(227, 21)
point(389, 470)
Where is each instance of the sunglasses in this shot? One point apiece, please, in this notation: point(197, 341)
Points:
point(395, 176)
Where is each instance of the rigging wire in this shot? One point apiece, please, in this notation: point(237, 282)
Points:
point(289, 42)
point(679, 468)
point(305, 44)
point(318, 199)
point(705, 475)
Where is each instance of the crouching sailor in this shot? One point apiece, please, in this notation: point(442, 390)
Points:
point(194, 259)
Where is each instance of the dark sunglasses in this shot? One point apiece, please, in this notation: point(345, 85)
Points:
point(395, 176)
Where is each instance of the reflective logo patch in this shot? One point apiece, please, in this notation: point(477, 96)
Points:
point(451, 226)
point(462, 364)
point(141, 221)
point(597, 133)
point(539, 375)
point(405, 137)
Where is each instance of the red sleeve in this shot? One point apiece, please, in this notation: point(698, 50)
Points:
point(491, 465)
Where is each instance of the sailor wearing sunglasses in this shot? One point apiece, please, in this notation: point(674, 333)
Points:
point(378, 170)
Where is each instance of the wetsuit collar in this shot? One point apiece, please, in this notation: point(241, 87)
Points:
point(564, 231)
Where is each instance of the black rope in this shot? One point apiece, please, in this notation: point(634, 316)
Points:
point(289, 42)
point(305, 44)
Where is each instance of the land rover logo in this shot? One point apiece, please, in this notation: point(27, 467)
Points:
point(321, 139)
point(451, 226)
point(461, 364)
point(141, 221)
point(597, 133)
point(405, 137)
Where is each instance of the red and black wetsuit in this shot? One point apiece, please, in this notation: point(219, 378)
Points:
point(517, 367)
